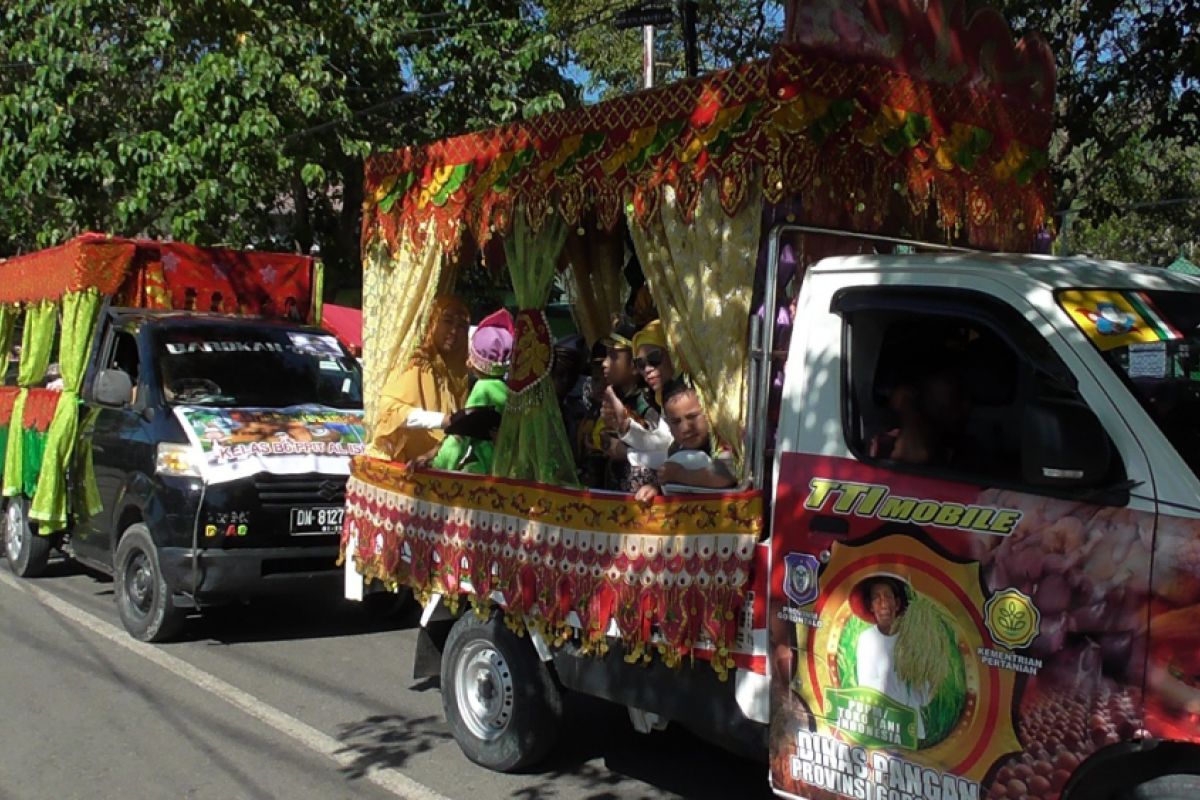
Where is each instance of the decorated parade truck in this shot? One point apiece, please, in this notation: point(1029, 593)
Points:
point(176, 422)
point(962, 559)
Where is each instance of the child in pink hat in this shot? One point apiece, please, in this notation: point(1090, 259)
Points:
point(488, 357)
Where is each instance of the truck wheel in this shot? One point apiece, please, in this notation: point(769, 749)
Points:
point(501, 701)
point(147, 609)
point(1168, 787)
point(27, 552)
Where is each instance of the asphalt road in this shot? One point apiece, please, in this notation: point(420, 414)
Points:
point(306, 698)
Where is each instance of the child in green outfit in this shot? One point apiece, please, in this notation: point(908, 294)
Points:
point(488, 357)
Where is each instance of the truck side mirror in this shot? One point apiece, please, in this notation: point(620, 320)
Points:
point(113, 387)
point(1063, 444)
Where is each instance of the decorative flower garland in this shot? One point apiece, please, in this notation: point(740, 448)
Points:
point(667, 579)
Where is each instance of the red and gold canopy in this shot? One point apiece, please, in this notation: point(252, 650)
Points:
point(150, 274)
point(870, 115)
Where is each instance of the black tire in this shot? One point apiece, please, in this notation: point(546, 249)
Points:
point(1168, 787)
point(27, 552)
point(501, 702)
point(147, 608)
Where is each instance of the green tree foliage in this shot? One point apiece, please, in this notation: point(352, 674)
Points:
point(728, 32)
point(1145, 208)
point(241, 121)
point(1127, 113)
point(246, 121)
point(1128, 121)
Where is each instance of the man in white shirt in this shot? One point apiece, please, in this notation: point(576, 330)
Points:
point(887, 600)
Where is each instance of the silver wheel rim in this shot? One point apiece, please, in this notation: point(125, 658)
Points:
point(483, 687)
point(14, 529)
point(139, 582)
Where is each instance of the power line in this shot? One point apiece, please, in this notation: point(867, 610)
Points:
point(1172, 201)
point(324, 126)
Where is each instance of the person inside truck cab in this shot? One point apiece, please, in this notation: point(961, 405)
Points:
point(643, 434)
point(693, 459)
point(933, 412)
point(417, 401)
point(125, 358)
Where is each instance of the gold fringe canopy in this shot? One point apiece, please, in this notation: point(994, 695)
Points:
point(924, 111)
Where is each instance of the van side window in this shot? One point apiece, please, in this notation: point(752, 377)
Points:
point(123, 355)
point(941, 385)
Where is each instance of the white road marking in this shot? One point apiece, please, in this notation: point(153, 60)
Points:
point(386, 778)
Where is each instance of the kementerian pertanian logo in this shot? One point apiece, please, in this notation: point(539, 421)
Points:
point(1012, 619)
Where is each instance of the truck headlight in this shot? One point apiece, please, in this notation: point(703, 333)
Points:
point(179, 460)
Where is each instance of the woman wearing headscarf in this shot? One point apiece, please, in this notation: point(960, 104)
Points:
point(652, 359)
point(417, 402)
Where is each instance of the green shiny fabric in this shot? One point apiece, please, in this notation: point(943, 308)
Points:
point(33, 450)
point(41, 319)
point(318, 293)
point(532, 444)
point(8, 319)
point(468, 453)
point(79, 313)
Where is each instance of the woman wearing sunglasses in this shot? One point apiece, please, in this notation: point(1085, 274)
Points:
point(646, 438)
point(652, 360)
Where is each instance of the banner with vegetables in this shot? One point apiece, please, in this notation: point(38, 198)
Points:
point(938, 639)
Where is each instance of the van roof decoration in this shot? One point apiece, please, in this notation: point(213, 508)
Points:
point(145, 273)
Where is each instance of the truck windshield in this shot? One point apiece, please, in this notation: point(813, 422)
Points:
point(1153, 340)
point(225, 365)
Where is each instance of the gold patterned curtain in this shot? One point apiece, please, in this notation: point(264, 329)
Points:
point(594, 279)
point(398, 292)
point(701, 276)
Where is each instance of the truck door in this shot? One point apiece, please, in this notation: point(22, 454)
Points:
point(113, 452)
point(960, 571)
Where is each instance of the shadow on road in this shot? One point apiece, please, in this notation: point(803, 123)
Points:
point(389, 740)
point(277, 619)
point(673, 761)
point(62, 567)
point(599, 747)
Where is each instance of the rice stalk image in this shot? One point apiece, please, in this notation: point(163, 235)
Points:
point(902, 645)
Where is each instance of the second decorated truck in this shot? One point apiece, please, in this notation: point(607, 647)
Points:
point(195, 442)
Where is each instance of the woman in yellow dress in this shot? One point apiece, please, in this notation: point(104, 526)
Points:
point(417, 402)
